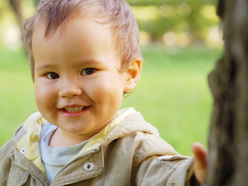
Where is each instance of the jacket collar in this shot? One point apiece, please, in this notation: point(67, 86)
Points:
point(126, 122)
point(134, 122)
point(27, 139)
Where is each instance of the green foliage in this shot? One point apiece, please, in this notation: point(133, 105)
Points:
point(193, 18)
point(172, 95)
point(190, 16)
point(160, 2)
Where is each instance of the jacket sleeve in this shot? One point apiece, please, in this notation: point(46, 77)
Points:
point(6, 155)
point(5, 161)
point(170, 170)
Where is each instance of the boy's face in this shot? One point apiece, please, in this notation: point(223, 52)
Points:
point(78, 85)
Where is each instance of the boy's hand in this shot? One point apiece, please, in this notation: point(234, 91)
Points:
point(200, 162)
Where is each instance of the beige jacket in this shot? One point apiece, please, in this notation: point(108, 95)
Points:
point(130, 153)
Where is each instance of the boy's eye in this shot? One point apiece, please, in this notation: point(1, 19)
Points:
point(52, 75)
point(88, 71)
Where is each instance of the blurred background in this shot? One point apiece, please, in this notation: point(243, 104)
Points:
point(180, 40)
point(179, 23)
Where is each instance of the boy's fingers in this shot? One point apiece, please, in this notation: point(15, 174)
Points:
point(200, 162)
point(200, 155)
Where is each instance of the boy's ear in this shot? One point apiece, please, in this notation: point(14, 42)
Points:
point(132, 75)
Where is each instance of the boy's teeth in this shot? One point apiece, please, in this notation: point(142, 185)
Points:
point(73, 109)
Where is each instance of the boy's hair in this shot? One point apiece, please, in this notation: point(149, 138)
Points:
point(117, 13)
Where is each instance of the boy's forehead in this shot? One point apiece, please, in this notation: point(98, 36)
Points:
point(42, 25)
point(80, 32)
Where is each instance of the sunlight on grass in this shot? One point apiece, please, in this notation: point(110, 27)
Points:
point(17, 99)
point(173, 94)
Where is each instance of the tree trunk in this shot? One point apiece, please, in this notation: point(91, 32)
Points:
point(16, 6)
point(228, 140)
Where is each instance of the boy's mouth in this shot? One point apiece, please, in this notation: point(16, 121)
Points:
point(73, 109)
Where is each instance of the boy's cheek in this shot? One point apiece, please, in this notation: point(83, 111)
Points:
point(104, 93)
point(43, 93)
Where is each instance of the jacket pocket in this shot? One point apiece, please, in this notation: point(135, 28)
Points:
point(17, 176)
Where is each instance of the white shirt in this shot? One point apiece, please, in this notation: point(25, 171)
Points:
point(54, 159)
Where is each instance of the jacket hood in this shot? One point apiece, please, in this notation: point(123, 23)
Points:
point(131, 121)
point(128, 122)
point(125, 123)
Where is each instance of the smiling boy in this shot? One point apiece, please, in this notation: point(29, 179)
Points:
point(84, 55)
point(78, 79)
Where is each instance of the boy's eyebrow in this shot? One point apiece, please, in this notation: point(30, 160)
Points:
point(90, 61)
point(93, 61)
point(44, 66)
point(85, 62)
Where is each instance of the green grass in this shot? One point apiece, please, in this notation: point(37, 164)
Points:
point(173, 94)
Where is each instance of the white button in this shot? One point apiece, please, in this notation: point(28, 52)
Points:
point(88, 166)
point(23, 150)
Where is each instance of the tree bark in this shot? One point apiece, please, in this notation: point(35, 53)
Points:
point(228, 140)
point(16, 6)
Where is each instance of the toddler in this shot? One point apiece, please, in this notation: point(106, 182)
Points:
point(84, 55)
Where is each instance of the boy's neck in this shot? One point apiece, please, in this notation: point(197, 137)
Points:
point(59, 139)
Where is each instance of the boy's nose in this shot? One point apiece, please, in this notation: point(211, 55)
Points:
point(70, 90)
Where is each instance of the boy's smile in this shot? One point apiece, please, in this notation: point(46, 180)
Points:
point(78, 82)
point(73, 110)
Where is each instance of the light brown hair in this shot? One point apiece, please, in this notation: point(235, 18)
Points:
point(117, 13)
